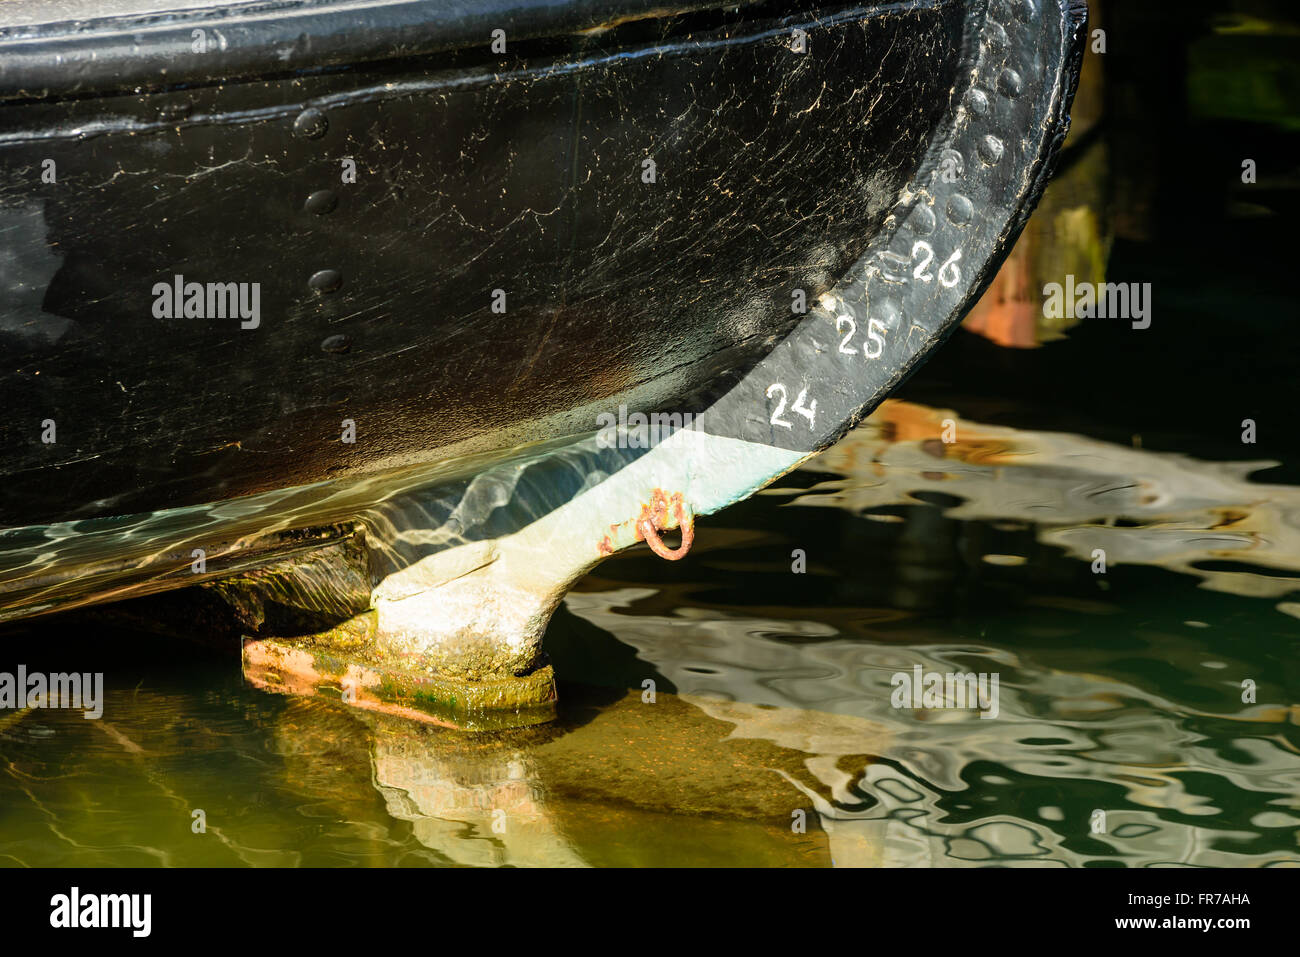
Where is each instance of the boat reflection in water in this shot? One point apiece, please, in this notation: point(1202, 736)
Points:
point(1120, 735)
point(773, 714)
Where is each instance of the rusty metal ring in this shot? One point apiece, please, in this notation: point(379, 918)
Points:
point(651, 535)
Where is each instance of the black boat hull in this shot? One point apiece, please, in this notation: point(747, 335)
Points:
point(764, 221)
point(499, 268)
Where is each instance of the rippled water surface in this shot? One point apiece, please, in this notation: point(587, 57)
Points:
point(1121, 735)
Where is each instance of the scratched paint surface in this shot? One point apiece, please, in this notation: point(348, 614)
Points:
point(772, 172)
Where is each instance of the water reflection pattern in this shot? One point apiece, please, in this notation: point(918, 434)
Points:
point(1111, 700)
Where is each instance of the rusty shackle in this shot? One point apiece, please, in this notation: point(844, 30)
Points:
point(647, 526)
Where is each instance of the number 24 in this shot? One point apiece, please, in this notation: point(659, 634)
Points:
point(806, 411)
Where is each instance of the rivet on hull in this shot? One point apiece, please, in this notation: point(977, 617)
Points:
point(310, 124)
point(326, 280)
point(321, 202)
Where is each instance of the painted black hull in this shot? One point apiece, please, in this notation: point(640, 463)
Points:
point(305, 271)
point(475, 172)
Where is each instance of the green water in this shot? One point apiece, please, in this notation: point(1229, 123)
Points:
point(1125, 733)
point(1121, 736)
